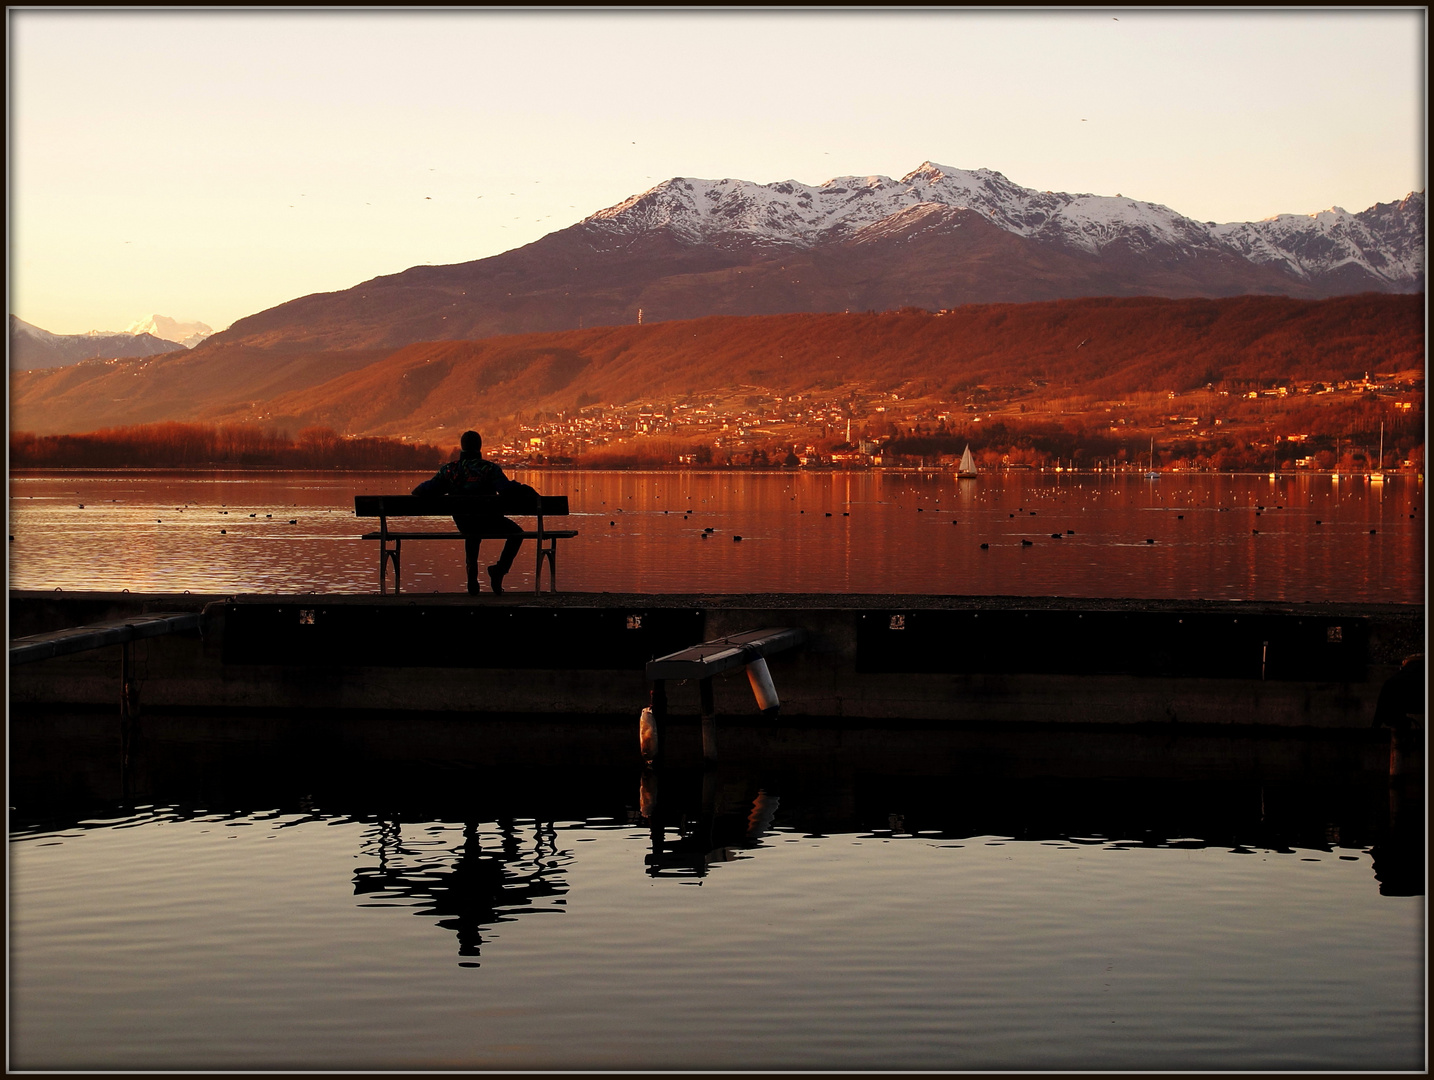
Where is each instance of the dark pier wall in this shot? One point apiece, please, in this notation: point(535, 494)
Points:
point(938, 660)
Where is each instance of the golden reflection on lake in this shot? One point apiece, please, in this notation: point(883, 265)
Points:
point(1179, 536)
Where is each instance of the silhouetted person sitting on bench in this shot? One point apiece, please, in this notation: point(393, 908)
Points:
point(473, 474)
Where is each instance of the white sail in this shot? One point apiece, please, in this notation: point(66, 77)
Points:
point(968, 464)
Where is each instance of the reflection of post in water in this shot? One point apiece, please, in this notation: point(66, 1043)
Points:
point(1399, 848)
point(129, 712)
point(722, 821)
point(1398, 854)
point(468, 887)
point(764, 809)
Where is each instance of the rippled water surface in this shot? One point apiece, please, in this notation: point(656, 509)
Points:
point(946, 905)
point(318, 891)
point(1178, 536)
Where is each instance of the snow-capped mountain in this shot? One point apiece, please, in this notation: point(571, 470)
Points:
point(937, 238)
point(1385, 242)
point(188, 334)
point(33, 347)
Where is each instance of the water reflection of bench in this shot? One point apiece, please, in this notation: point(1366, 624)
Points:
point(522, 504)
point(469, 888)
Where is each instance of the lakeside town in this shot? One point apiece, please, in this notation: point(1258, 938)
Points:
point(1286, 425)
point(1369, 424)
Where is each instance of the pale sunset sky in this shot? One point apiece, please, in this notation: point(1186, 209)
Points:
point(206, 164)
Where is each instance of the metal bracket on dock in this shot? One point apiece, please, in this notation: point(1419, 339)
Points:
point(701, 662)
point(121, 632)
point(26, 650)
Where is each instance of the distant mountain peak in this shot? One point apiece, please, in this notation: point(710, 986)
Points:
point(31, 347)
point(188, 334)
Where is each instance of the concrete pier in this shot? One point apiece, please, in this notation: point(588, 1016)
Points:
point(939, 660)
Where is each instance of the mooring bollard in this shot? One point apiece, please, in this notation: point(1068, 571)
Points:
point(647, 735)
point(763, 688)
point(651, 722)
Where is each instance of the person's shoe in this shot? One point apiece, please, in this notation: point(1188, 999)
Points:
point(473, 587)
point(495, 579)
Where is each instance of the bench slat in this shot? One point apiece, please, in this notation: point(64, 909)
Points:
point(546, 534)
point(448, 505)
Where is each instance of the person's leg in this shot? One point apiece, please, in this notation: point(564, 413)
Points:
point(510, 546)
point(470, 563)
point(498, 570)
point(470, 551)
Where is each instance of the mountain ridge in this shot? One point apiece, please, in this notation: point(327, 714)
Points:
point(32, 347)
point(426, 390)
point(793, 213)
point(638, 254)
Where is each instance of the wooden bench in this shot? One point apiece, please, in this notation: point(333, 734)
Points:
point(521, 504)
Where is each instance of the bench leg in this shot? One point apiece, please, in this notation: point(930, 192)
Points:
point(550, 553)
point(385, 553)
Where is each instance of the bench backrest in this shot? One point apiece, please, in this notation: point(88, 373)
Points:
point(448, 505)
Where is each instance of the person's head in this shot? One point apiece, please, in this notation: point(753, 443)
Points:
point(471, 444)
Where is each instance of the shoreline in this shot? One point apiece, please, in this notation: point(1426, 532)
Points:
point(1388, 474)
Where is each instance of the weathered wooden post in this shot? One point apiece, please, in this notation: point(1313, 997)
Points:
point(709, 720)
point(129, 701)
point(647, 801)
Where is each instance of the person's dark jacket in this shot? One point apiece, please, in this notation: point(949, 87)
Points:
point(469, 476)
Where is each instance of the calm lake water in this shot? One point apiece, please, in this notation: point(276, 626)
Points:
point(467, 896)
point(361, 891)
point(1214, 537)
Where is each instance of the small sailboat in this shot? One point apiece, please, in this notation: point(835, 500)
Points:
point(1378, 474)
point(1152, 474)
point(967, 469)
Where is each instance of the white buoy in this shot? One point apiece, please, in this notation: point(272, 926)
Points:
point(762, 688)
point(647, 735)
